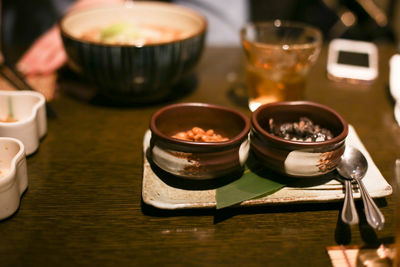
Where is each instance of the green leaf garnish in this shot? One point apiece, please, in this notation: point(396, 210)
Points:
point(251, 185)
point(10, 107)
point(117, 29)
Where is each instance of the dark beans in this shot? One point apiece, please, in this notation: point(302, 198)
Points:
point(303, 130)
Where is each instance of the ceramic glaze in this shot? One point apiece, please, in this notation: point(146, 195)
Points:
point(298, 158)
point(29, 110)
point(302, 163)
point(199, 160)
point(13, 177)
point(201, 165)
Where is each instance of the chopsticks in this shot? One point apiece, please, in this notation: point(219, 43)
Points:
point(13, 76)
point(16, 79)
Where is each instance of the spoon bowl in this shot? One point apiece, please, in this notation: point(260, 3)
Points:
point(353, 166)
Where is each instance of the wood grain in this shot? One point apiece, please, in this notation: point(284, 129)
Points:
point(83, 205)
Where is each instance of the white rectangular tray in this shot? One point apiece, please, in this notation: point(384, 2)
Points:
point(157, 193)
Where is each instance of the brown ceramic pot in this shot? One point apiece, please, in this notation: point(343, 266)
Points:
point(199, 160)
point(297, 158)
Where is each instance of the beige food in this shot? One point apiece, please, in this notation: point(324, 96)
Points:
point(9, 118)
point(197, 134)
point(126, 33)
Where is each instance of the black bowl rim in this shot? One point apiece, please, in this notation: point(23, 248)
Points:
point(64, 33)
point(231, 142)
point(337, 139)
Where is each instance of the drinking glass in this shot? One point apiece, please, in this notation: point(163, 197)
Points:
point(278, 55)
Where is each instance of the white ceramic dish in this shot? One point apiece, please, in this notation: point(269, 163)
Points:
point(394, 81)
point(29, 110)
point(395, 84)
point(13, 175)
point(157, 193)
point(397, 112)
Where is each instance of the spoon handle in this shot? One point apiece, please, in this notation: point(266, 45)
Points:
point(374, 216)
point(349, 211)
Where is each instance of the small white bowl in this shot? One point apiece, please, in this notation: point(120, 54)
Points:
point(13, 175)
point(29, 110)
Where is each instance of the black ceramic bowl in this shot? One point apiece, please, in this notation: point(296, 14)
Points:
point(199, 160)
point(297, 158)
point(138, 72)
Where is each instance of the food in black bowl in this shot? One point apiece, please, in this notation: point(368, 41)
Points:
point(134, 52)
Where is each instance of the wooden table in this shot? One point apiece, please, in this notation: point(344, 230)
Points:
point(83, 205)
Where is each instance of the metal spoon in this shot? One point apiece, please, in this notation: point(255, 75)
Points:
point(349, 212)
point(353, 165)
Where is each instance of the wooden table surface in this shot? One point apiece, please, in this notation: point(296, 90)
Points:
point(83, 205)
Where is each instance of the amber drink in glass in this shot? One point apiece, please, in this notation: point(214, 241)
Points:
point(278, 55)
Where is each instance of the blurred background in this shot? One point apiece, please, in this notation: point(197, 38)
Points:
point(372, 20)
